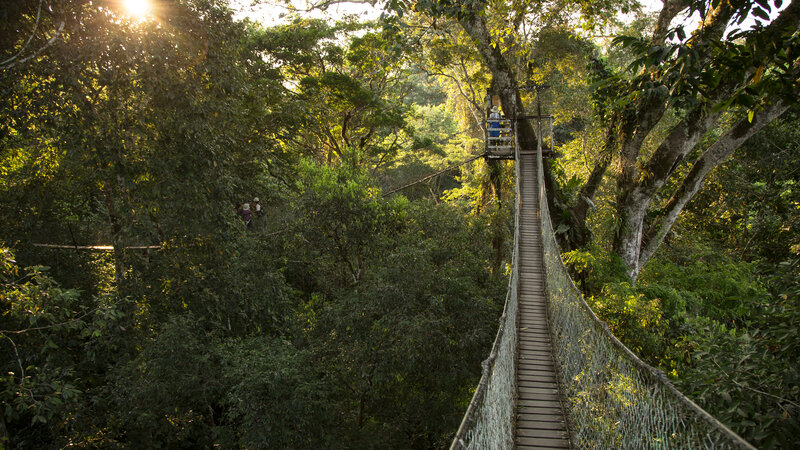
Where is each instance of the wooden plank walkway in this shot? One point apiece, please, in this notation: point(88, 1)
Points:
point(540, 420)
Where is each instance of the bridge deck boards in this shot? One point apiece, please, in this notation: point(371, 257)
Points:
point(540, 420)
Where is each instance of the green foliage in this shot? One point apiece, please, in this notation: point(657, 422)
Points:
point(709, 285)
point(165, 397)
point(341, 218)
point(708, 321)
point(746, 378)
point(346, 98)
point(371, 335)
point(412, 313)
point(691, 69)
point(749, 203)
point(592, 267)
point(129, 117)
point(437, 144)
point(53, 338)
point(278, 395)
point(232, 286)
point(634, 317)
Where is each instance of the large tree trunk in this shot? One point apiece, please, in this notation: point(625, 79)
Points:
point(636, 123)
point(503, 77)
point(718, 152)
point(504, 81)
point(636, 191)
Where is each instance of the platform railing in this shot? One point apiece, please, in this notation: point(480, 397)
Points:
point(501, 145)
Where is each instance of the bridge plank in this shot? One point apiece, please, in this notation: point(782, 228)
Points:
point(547, 387)
point(536, 360)
point(535, 325)
point(542, 421)
point(542, 432)
point(536, 351)
point(538, 405)
point(535, 336)
point(536, 313)
point(540, 394)
point(536, 365)
point(528, 442)
point(535, 347)
point(532, 321)
point(535, 376)
point(540, 371)
point(532, 332)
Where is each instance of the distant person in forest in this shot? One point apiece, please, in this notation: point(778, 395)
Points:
point(247, 215)
point(494, 125)
point(257, 211)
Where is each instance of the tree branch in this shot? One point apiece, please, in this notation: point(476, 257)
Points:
point(681, 140)
point(588, 191)
point(715, 154)
point(457, 82)
point(668, 12)
point(30, 38)
point(10, 63)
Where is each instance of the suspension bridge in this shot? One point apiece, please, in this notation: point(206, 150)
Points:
point(556, 376)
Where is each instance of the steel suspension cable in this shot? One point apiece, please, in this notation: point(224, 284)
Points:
point(428, 177)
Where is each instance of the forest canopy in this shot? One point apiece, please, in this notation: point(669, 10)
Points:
point(242, 254)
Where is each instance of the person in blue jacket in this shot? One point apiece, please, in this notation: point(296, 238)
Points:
point(494, 125)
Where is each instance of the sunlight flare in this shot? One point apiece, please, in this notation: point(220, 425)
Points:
point(137, 8)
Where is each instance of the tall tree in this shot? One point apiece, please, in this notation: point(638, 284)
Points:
point(142, 124)
point(698, 77)
point(752, 75)
point(344, 100)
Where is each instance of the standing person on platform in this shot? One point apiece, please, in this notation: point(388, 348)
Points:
point(494, 125)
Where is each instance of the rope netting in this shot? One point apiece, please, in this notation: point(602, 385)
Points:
point(489, 421)
point(615, 400)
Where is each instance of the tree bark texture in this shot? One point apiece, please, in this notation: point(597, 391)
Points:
point(712, 157)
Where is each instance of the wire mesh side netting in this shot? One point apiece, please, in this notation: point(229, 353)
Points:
point(489, 421)
point(614, 399)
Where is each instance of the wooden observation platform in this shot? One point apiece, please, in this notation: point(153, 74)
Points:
point(499, 139)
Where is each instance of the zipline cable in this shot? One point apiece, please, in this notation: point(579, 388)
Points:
point(97, 247)
point(385, 194)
